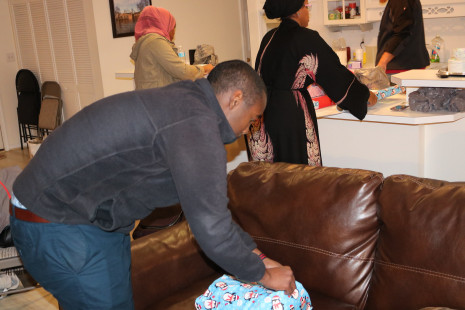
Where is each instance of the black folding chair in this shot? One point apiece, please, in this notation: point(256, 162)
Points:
point(28, 93)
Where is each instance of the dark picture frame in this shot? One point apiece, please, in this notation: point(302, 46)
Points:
point(124, 15)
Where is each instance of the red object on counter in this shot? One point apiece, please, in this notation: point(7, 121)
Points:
point(398, 71)
point(349, 56)
point(319, 97)
point(394, 71)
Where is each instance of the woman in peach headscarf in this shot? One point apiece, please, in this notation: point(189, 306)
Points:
point(154, 53)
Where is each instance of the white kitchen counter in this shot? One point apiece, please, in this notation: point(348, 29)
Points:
point(429, 145)
point(382, 113)
point(426, 78)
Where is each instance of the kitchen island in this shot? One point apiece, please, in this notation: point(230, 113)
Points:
point(430, 145)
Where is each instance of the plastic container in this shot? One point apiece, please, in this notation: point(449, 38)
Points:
point(339, 47)
point(353, 11)
point(347, 12)
point(182, 54)
point(438, 47)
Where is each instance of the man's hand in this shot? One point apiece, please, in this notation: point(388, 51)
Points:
point(279, 279)
point(277, 276)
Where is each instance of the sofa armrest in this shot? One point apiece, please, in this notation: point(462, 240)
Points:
point(166, 262)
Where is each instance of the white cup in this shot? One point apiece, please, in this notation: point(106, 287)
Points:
point(359, 54)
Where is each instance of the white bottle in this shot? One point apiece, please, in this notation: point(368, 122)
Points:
point(182, 54)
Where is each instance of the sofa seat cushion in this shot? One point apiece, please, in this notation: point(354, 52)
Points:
point(421, 249)
point(320, 221)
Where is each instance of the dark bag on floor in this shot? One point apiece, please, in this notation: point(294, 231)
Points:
point(5, 238)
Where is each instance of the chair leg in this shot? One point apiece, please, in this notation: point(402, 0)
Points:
point(28, 137)
point(20, 135)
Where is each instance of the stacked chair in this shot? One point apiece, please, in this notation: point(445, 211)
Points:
point(39, 109)
point(51, 107)
point(29, 101)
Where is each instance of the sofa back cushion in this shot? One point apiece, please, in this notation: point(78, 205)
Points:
point(421, 250)
point(320, 221)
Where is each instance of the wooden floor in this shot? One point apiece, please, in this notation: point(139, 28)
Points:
point(36, 298)
point(31, 300)
point(15, 157)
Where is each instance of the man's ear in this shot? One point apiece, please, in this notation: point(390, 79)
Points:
point(235, 99)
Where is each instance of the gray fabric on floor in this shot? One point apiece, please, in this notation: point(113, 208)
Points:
point(7, 177)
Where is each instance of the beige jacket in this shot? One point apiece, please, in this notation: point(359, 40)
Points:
point(157, 63)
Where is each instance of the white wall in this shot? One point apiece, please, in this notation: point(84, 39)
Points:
point(213, 22)
point(9, 68)
point(201, 21)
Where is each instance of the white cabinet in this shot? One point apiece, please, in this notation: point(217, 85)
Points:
point(374, 10)
point(443, 8)
point(431, 9)
point(337, 12)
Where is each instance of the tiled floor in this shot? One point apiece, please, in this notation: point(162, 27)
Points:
point(37, 298)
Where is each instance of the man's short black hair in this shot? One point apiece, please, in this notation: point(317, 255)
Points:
point(237, 74)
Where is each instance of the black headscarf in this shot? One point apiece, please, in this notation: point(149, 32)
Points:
point(282, 8)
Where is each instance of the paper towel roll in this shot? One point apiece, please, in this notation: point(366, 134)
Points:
point(459, 53)
point(342, 54)
point(359, 54)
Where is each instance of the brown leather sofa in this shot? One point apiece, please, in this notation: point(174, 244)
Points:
point(354, 239)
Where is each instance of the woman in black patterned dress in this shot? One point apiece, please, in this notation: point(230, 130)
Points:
point(290, 58)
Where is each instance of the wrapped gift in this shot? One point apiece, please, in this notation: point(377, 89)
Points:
point(227, 292)
point(387, 92)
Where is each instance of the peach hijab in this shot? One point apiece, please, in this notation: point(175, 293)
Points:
point(154, 20)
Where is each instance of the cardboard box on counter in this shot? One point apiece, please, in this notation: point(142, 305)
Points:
point(354, 64)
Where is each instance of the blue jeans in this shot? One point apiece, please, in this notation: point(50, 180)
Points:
point(83, 266)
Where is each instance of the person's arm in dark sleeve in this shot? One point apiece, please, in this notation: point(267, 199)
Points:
point(197, 160)
point(338, 82)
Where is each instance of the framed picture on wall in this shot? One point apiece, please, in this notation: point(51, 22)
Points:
point(124, 15)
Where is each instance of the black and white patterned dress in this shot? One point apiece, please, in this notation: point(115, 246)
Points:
point(290, 59)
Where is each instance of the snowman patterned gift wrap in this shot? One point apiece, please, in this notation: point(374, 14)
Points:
point(227, 292)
